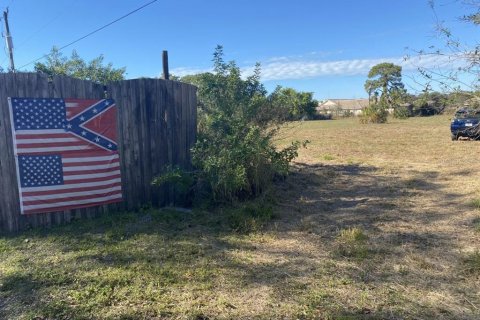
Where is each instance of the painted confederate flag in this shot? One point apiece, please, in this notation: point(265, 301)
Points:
point(66, 153)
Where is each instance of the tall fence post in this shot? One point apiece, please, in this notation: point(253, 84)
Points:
point(166, 75)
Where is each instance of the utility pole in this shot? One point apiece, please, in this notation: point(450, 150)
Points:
point(8, 40)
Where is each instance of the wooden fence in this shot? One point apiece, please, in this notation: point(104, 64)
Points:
point(156, 122)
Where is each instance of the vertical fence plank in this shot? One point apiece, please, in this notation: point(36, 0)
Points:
point(8, 174)
point(5, 166)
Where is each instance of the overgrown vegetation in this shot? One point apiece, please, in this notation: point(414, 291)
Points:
point(235, 156)
point(94, 70)
point(352, 243)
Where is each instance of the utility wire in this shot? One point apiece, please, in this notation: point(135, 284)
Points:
point(59, 13)
point(91, 33)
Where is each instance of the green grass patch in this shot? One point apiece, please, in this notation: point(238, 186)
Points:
point(124, 264)
point(328, 157)
point(5, 246)
point(352, 243)
point(109, 267)
point(251, 217)
point(475, 203)
point(476, 224)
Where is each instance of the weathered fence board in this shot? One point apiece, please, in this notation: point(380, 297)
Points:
point(156, 127)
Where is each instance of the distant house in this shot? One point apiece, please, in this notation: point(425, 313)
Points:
point(342, 107)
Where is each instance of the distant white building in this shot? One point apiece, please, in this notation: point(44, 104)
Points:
point(342, 107)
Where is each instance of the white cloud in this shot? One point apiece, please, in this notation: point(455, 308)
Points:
point(287, 68)
point(185, 71)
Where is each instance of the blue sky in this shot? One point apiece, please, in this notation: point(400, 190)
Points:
point(326, 47)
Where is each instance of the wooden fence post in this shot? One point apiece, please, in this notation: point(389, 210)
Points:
point(166, 75)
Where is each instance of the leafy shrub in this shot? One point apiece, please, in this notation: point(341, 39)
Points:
point(374, 113)
point(175, 175)
point(234, 156)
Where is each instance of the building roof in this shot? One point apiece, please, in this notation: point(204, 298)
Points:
point(344, 104)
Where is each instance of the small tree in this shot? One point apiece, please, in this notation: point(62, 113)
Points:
point(94, 70)
point(385, 84)
point(235, 155)
point(385, 81)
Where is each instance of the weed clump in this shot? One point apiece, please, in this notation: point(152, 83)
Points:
point(351, 243)
point(475, 203)
point(476, 224)
point(251, 217)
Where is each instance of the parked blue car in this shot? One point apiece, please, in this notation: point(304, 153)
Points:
point(464, 124)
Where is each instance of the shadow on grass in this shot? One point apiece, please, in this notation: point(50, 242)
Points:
point(158, 255)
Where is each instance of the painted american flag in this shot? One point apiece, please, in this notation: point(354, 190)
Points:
point(66, 153)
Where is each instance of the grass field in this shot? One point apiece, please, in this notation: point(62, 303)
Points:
point(375, 222)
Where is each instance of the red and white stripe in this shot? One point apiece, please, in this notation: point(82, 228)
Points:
point(44, 142)
point(88, 181)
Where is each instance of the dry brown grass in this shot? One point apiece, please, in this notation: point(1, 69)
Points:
point(415, 193)
point(375, 222)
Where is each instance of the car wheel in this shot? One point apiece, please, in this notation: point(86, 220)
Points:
point(454, 137)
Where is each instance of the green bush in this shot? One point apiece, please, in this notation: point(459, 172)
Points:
point(234, 156)
point(374, 113)
point(173, 174)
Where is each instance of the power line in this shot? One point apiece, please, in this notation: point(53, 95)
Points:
point(93, 32)
point(32, 35)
